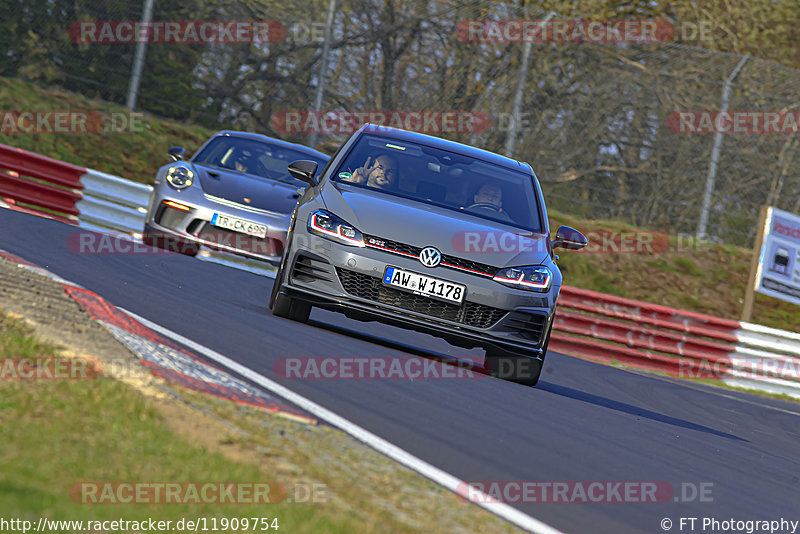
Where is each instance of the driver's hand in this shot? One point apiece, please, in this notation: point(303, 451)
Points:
point(361, 174)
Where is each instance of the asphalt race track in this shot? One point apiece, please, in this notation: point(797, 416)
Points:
point(584, 422)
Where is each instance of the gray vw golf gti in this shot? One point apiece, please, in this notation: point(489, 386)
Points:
point(431, 235)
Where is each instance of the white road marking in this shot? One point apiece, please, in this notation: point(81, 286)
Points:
point(394, 452)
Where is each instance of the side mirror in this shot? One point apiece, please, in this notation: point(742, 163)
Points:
point(569, 238)
point(177, 153)
point(304, 170)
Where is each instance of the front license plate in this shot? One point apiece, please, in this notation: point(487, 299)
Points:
point(424, 285)
point(239, 225)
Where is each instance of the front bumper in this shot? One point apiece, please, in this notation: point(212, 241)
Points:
point(172, 225)
point(349, 280)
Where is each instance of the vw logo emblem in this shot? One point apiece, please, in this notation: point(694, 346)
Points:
point(430, 257)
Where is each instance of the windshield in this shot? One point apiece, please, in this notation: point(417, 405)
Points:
point(461, 183)
point(255, 157)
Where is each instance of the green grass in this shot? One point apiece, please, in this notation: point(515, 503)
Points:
point(56, 433)
point(687, 266)
point(132, 155)
point(16, 343)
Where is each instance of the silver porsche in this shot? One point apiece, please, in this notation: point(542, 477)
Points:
point(235, 194)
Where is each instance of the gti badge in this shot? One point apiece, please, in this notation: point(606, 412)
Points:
point(430, 257)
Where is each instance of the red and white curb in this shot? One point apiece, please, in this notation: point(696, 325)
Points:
point(163, 357)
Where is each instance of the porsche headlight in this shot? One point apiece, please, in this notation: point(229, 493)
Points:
point(327, 225)
point(530, 278)
point(180, 176)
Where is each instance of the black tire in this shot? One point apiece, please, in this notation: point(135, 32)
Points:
point(547, 340)
point(283, 305)
point(512, 366)
point(290, 308)
point(276, 285)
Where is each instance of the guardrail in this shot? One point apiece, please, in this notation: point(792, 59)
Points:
point(588, 325)
point(650, 337)
point(112, 203)
point(40, 185)
point(44, 186)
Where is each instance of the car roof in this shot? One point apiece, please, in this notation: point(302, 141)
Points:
point(279, 142)
point(443, 144)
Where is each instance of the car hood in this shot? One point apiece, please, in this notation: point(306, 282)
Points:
point(263, 193)
point(421, 225)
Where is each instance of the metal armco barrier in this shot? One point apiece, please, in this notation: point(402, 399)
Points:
point(654, 314)
point(588, 325)
point(778, 350)
point(94, 200)
point(651, 337)
point(43, 185)
point(112, 203)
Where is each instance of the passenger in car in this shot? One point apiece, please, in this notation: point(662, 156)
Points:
point(246, 162)
point(489, 197)
point(380, 173)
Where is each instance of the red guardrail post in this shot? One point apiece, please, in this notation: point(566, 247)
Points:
point(60, 193)
point(726, 327)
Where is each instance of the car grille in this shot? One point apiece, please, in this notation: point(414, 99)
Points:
point(308, 269)
point(169, 217)
point(448, 262)
point(371, 288)
point(528, 325)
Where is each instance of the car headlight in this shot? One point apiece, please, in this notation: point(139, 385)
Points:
point(327, 225)
point(180, 176)
point(531, 278)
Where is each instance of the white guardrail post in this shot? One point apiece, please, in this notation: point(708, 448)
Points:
point(764, 337)
point(766, 359)
point(113, 203)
